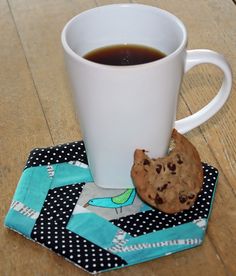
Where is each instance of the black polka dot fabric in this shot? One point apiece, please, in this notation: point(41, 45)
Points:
point(154, 220)
point(62, 153)
point(50, 230)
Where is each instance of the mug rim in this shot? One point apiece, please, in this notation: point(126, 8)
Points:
point(76, 56)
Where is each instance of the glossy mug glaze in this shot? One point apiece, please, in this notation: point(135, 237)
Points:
point(121, 108)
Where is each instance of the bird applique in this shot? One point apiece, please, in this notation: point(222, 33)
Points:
point(122, 200)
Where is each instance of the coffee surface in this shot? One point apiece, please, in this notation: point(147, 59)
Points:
point(124, 55)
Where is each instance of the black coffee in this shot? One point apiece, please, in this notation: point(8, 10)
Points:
point(125, 54)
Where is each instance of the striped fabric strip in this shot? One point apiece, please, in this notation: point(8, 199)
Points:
point(140, 246)
point(24, 210)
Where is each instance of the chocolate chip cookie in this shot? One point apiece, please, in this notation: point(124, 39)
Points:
point(172, 183)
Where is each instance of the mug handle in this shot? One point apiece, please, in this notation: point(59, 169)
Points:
point(200, 56)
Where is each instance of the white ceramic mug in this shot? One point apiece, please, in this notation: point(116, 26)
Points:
point(121, 108)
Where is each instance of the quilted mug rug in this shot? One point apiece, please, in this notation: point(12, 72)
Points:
point(57, 205)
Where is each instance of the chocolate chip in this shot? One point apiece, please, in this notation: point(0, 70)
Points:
point(179, 160)
point(158, 168)
point(150, 197)
point(171, 166)
point(158, 199)
point(182, 198)
point(146, 162)
point(191, 196)
point(163, 187)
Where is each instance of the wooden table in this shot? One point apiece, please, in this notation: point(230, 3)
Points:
point(36, 111)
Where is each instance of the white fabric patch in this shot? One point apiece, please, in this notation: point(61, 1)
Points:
point(24, 210)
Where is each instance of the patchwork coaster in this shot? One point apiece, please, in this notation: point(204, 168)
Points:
point(57, 205)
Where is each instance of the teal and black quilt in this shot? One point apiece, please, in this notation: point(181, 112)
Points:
point(57, 204)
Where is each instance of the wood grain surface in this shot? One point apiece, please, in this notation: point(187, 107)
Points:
point(36, 111)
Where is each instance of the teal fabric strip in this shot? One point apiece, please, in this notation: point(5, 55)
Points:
point(31, 191)
point(139, 249)
point(161, 243)
point(19, 222)
point(66, 173)
point(93, 228)
point(33, 187)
